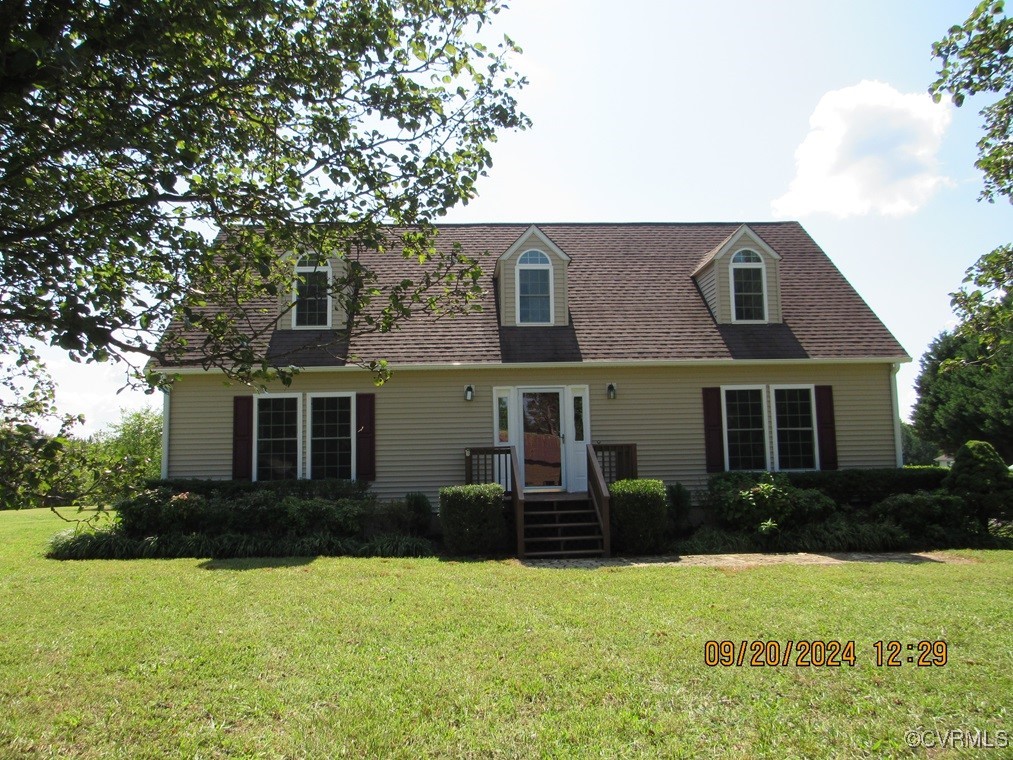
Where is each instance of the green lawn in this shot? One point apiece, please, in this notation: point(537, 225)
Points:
point(410, 658)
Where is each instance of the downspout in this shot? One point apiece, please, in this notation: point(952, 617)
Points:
point(165, 434)
point(897, 440)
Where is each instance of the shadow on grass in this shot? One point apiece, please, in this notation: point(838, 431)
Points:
point(256, 563)
point(741, 560)
point(903, 558)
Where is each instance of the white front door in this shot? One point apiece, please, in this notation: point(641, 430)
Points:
point(550, 427)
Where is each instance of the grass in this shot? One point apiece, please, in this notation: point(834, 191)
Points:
point(425, 657)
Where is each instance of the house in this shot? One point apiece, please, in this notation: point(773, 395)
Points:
point(709, 347)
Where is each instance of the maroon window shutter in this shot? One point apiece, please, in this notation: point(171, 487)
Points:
point(826, 429)
point(365, 436)
point(242, 438)
point(713, 430)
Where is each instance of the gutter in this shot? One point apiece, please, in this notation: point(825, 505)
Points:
point(898, 441)
point(895, 361)
point(165, 434)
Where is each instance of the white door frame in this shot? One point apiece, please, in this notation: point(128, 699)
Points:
point(573, 452)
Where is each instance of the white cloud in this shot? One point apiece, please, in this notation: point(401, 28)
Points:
point(870, 150)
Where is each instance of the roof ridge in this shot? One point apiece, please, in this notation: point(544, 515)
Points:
point(616, 224)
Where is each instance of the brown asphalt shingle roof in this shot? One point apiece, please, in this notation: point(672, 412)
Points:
point(631, 298)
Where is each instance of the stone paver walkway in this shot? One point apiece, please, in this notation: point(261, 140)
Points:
point(751, 560)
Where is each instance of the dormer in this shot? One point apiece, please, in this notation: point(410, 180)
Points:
point(741, 280)
point(531, 282)
point(313, 303)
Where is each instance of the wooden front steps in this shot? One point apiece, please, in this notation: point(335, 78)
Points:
point(561, 525)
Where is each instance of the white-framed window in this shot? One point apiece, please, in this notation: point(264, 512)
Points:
point(331, 435)
point(795, 439)
point(311, 293)
point(748, 287)
point(277, 443)
point(534, 289)
point(749, 412)
point(501, 412)
point(744, 415)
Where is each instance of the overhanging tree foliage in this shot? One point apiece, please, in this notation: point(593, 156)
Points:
point(977, 57)
point(130, 128)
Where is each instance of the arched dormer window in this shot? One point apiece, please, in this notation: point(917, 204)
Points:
point(312, 293)
point(749, 287)
point(534, 289)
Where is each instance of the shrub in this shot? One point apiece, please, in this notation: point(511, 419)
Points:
point(639, 515)
point(330, 489)
point(841, 533)
point(397, 545)
point(932, 520)
point(743, 503)
point(472, 519)
point(865, 487)
point(679, 504)
point(859, 487)
point(421, 512)
point(711, 540)
point(140, 515)
point(980, 477)
point(343, 517)
point(387, 517)
point(159, 512)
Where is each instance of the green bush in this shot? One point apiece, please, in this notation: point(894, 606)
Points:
point(745, 503)
point(680, 501)
point(160, 512)
point(473, 520)
point(711, 540)
point(398, 545)
point(329, 489)
point(421, 510)
point(868, 486)
point(932, 520)
point(841, 533)
point(639, 516)
point(858, 487)
point(981, 478)
point(111, 543)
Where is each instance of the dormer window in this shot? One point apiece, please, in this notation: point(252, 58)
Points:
point(534, 289)
point(312, 293)
point(749, 297)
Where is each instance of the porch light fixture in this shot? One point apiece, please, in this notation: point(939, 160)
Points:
point(610, 391)
point(469, 393)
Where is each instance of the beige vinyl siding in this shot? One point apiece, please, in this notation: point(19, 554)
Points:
point(423, 423)
point(707, 282)
point(508, 283)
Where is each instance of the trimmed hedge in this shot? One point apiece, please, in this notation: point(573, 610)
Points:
point(771, 513)
point(330, 489)
point(639, 516)
point(112, 544)
point(161, 512)
point(473, 519)
point(932, 520)
point(865, 487)
point(857, 488)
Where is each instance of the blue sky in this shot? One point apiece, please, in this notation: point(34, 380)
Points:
point(736, 111)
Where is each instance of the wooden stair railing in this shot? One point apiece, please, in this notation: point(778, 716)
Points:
point(598, 495)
